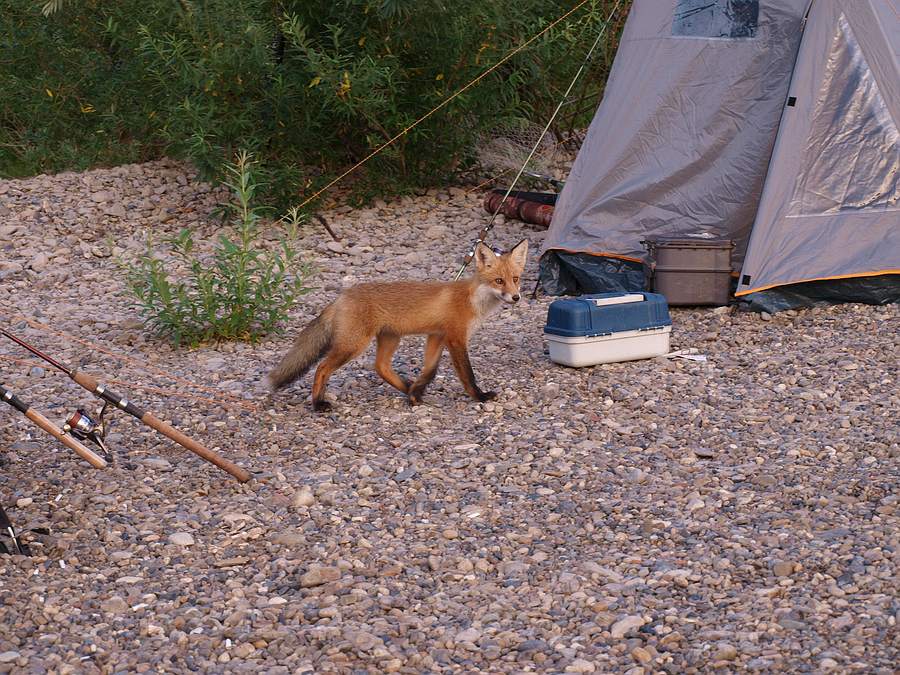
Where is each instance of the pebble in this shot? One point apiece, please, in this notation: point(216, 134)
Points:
point(641, 655)
point(622, 627)
point(181, 539)
point(725, 652)
point(39, 262)
point(304, 497)
point(316, 576)
point(116, 210)
point(114, 605)
point(783, 569)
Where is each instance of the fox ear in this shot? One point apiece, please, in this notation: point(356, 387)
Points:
point(484, 256)
point(519, 254)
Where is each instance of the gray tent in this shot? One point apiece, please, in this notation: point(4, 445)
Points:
point(773, 124)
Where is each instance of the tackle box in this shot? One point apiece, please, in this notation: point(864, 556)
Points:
point(607, 328)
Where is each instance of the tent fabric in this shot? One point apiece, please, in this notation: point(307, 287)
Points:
point(830, 208)
point(565, 273)
point(881, 289)
point(681, 142)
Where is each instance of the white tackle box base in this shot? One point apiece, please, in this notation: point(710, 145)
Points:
point(626, 345)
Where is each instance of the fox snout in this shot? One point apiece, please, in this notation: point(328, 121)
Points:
point(509, 297)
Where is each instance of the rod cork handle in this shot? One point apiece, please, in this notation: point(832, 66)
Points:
point(90, 383)
point(90, 456)
point(187, 442)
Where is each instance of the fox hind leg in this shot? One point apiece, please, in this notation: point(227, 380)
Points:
point(434, 347)
point(387, 345)
point(333, 360)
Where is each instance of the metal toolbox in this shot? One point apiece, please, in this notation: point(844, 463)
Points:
point(691, 271)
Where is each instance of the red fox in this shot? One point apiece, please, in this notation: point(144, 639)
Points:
point(447, 312)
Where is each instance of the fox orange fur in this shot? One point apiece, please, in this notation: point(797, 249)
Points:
point(447, 312)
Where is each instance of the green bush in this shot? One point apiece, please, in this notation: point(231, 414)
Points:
point(309, 86)
point(242, 293)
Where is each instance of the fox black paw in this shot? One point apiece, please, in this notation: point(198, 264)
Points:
point(321, 406)
point(486, 396)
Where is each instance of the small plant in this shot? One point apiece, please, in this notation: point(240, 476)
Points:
point(240, 293)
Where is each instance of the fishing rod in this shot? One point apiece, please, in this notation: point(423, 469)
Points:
point(39, 420)
point(81, 423)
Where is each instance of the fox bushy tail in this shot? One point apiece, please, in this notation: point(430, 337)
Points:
point(308, 347)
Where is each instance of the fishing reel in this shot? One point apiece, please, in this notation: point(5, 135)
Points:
point(83, 427)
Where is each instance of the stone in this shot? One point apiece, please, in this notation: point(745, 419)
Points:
point(623, 626)
point(116, 210)
point(641, 655)
point(304, 497)
point(157, 463)
point(181, 539)
point(114, 605)
point(725, 652)
point(468, 635)
point(362, 640)
point(39, 262)
point(783, 568)
point(243, 650)
point(316, 576)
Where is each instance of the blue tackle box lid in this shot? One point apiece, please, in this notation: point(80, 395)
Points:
point(606, 313)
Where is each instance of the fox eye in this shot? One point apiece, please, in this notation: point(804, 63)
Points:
point(498, 280)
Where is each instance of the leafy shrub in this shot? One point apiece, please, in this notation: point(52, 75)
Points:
point(242, 293)
point(309, 86)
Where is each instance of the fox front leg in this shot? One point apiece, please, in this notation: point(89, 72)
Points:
point(463, 367)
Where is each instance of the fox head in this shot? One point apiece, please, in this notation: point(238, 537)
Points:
point(501, 273)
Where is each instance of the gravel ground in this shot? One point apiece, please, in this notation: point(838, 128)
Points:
point(657, 516)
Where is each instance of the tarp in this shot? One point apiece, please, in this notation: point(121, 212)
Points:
point(682, 140)
point(830, 209)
